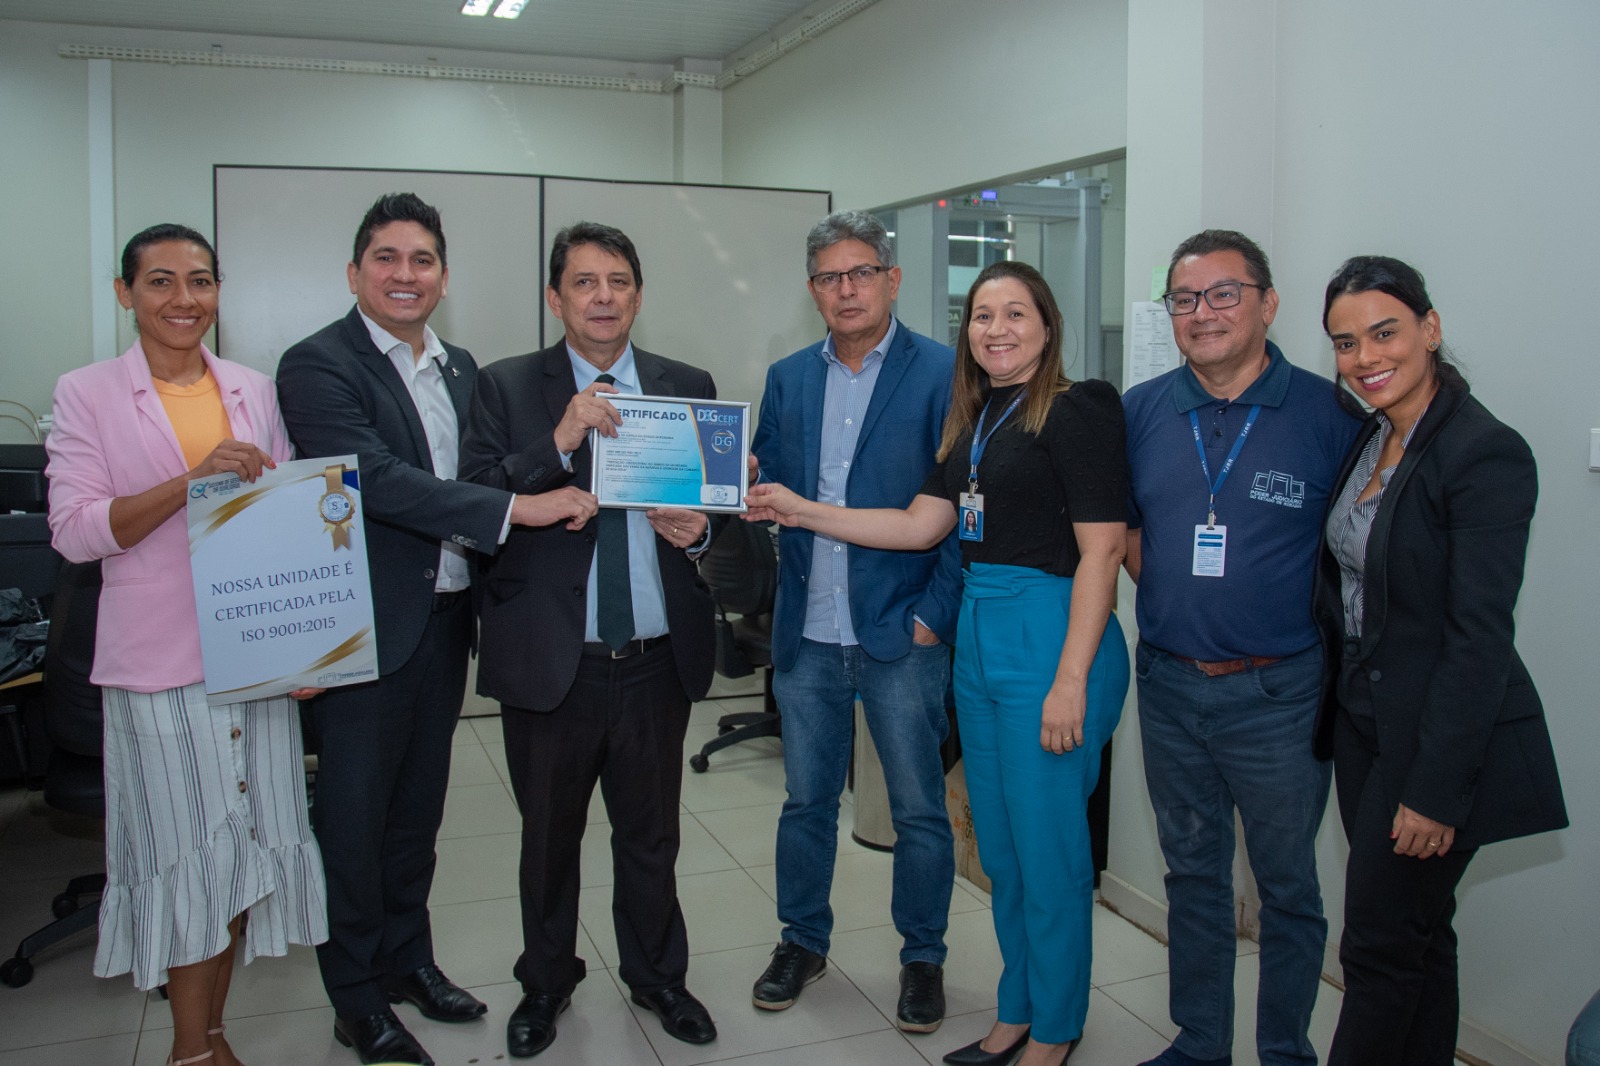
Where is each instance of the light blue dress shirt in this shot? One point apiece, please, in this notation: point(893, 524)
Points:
point(644, 573)
point(845, 397)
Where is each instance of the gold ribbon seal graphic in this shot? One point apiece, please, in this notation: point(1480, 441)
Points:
point(336, 507)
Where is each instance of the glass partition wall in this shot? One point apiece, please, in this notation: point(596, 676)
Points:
point(1068, 224)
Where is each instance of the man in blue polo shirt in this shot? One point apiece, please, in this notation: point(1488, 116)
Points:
point(1232, 457)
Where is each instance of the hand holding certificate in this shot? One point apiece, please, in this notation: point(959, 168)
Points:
point(673, 452)
point(280, 580)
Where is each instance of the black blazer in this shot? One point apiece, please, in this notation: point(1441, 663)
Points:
point(340, 395)
point(1460, 727)
point(535, 591)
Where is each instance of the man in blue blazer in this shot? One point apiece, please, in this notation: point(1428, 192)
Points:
point(856, 420)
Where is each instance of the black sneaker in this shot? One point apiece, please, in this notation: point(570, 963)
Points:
point(791, 969)
point(921, 1006)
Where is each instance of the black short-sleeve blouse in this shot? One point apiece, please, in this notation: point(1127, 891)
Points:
point(1035, 487)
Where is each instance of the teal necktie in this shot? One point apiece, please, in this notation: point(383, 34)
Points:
point(614, 609)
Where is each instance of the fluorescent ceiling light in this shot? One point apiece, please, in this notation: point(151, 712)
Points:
point(476, 7)
point(509, 9)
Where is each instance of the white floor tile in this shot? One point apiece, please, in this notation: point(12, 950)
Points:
point(479, 810)
point(871, 959)
point(1146, 998)
point(870, 1049)
point(103, 1051)
point(470, 765)
point(749, 834)
point(830, 1008)
point(487, 730)
point(476, 867)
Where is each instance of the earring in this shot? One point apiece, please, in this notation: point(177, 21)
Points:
point(1433, 347)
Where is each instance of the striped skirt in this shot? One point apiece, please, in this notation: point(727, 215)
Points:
point(205, 819)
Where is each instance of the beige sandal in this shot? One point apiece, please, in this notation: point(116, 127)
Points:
point(186, 1062)
point(218, 1031)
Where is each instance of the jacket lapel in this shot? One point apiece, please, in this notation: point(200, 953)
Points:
point(165, 451)
point(896, 361)
point(1375, 580)
point(811, 391)
point(558, 386)
point(378, 364)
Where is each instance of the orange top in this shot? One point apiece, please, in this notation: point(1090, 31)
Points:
point(197, 416)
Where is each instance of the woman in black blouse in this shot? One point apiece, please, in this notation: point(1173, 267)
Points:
point(1034, 469)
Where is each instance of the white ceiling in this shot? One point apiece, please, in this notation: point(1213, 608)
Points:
point(642, 31)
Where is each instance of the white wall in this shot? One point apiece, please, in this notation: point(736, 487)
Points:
point(1466, 146)
point(44, 200)
point(1460, 139)
point(172, 123)
point(914, 97)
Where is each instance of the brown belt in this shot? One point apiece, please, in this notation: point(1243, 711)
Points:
point(1230, 666)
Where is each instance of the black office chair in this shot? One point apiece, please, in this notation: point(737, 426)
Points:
point(741, 566)
point(74, 780)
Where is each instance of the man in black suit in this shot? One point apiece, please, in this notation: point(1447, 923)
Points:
point(379, 383)
point(594, 642)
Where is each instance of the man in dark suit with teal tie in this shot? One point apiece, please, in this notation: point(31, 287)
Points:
point(594, 641)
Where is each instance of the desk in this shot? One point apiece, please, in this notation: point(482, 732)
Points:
point(12, 713)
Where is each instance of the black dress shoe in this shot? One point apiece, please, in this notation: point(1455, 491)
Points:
point(380, 1038)
point(532, 1027)
point(435, 995)
point(791, 969)
point(974, 1055)
point(682, 1016)
point(921, 1006)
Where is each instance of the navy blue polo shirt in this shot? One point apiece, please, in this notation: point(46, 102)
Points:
point(1273, 504)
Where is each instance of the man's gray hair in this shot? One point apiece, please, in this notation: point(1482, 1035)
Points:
point(848, 226)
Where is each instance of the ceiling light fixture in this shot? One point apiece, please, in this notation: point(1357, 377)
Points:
point(509, 9)
point(476, 7)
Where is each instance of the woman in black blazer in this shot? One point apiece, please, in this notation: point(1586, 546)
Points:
point(1437, 734)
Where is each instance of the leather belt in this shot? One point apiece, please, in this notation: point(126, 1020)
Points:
point(599, 649)
point(1230, 666)
point(443, 601)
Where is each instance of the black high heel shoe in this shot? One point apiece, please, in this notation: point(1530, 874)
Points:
point(974, 1055)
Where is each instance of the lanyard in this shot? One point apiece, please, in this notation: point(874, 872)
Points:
point(1222, 475)
point(980, 439)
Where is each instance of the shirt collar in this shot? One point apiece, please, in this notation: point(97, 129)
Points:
point(624, 369)
point(432, 348)
point(879, 351)
point(1268, 390)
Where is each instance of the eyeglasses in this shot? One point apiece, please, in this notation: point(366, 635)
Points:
point(860, 276)
point(1218, 297)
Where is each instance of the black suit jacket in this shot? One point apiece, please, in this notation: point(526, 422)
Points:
point(339, 395)
point(1460, 727)
point(535, 591)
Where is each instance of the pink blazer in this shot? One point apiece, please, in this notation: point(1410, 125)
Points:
point(112, 438)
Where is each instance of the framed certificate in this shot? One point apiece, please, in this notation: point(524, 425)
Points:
point(674, 452)
point(280, 580)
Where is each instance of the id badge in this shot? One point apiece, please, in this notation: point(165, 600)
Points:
point(1210, 550)
point(971, 517)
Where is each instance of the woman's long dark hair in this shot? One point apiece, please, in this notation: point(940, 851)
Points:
point(1390, 276)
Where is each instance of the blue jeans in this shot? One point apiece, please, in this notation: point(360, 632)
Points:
point(1029, 805)
point(1212, 744)
point(904, 702)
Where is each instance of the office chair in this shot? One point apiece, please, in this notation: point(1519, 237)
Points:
point(741, 566)
point(74, 780)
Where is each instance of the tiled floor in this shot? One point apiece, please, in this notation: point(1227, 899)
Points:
point(279, 1016)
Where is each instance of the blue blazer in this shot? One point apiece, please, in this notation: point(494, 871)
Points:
point(893, 457)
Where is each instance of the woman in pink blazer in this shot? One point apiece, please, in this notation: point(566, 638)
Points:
point(205, 807)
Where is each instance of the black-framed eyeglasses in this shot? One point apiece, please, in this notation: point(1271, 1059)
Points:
point(862, 275)
point(1220, 296)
